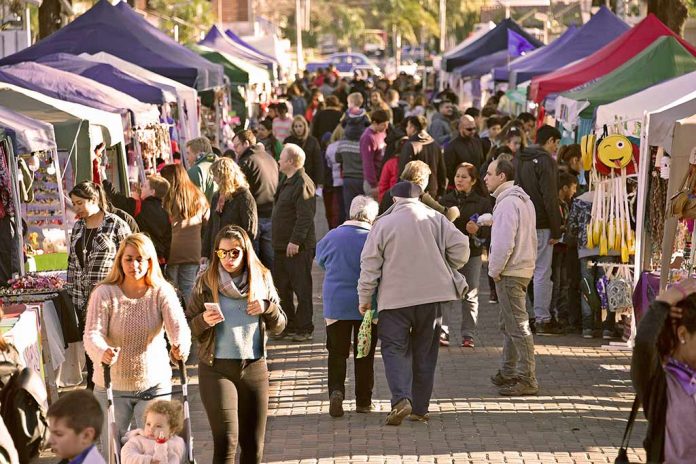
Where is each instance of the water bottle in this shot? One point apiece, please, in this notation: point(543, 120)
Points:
point(161, 449)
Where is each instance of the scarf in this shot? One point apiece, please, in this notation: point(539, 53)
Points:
point(684, 374)
point(233, 287)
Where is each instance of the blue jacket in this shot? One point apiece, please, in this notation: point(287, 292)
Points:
point(338, 253)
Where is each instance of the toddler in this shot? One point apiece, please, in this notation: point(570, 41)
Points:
point(157, 443)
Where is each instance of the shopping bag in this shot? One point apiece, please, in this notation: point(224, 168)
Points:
point(365, 334)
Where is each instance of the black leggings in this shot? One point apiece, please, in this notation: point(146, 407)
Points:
point(236, 402)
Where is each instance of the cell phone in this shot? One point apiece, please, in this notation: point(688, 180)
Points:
point(214, 307)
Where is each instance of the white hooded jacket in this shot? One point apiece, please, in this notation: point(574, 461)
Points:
point(513, 235)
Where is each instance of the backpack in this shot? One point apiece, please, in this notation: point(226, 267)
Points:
point(22, 407)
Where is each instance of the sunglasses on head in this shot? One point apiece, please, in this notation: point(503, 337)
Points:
point(233, 253)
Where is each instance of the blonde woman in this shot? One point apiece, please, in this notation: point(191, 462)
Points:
point(188, 212)
point(127, 315)
point(300, 136)
point(233, 376)
point(232, 204)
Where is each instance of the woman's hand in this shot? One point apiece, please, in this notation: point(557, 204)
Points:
point(472, 228)
point(255, 307)
point(212, 317)
point(110, 356)
point(678, 292)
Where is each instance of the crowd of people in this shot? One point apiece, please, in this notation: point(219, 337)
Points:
point(417, 196)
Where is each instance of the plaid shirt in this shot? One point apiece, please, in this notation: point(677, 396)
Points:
point(83, 277)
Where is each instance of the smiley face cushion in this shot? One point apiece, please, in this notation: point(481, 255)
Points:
point(615, 152)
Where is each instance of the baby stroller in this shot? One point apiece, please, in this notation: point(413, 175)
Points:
point(112, 431)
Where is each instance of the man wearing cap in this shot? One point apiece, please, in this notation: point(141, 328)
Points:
point(410, 260)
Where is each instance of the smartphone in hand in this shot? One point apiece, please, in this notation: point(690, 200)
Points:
point(214, 307)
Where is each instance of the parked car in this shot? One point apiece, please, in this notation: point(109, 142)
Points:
point(346, 64)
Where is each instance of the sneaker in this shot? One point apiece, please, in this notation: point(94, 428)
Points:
point(587, 333)
point(366, 409)
point(336, 404)
point(425, 418)
point(492, 300)
point(608, 334)
point(521, 388)
point(302, 337)
point(399, 412)
point(468, 343)
point(499, 380)
point(444, 339)
point(547, 328)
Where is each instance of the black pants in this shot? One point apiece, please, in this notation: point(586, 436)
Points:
point(293, 276)
point(89, 366)
point(235, 399)
point(338, 338)
point(559, 277)
point(574, 278)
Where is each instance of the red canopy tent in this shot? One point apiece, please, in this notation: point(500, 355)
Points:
point(603, 61)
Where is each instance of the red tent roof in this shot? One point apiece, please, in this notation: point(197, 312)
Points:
point(605, 60)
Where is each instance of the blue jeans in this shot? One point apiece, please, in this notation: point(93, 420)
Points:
point(351, 189)
point(543, 287)
point(262, 245)
point(518, 341)
point(410, 339)
point(125, 409)
point(183, 276)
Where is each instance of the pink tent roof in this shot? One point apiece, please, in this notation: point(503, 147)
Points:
point(605, 60)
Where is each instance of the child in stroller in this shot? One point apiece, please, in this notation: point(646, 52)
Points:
point(158, 442)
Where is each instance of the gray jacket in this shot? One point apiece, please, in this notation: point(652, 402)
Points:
point(440, 129)
point(348, 154)
point(411, 257)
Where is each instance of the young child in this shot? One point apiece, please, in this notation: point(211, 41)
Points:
point(75, 423)
point(163, 420)
point(355, 114)
point(567, 185)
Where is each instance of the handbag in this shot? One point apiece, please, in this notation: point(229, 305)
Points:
point(619, 293)
point(683, 203)
point(365, 335)
point(622, 457)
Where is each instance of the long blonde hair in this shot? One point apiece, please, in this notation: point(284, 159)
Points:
point(143, 244)
point(300, 118)
point(183, 199)
point(260, 280)
point(229, 177)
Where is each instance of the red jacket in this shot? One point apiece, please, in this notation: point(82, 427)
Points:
point(389, 176)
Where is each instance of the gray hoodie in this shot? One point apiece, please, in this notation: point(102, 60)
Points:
point(513, 235)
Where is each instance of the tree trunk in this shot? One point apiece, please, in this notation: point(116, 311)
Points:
point(49, 17)
point(671, 12)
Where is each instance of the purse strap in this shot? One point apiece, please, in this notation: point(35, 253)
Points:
point(629, 425)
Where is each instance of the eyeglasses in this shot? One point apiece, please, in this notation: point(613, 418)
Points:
point(469, 129)
point(233, 253)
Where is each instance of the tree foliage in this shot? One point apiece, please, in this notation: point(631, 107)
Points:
point(192, 16)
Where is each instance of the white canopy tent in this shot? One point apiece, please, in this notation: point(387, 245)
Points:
point(28, 134)
point(625, 116)
point(186, 97)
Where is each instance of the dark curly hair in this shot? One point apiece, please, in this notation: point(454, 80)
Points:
point(668, 340)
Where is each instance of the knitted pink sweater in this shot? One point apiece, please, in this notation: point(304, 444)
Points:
point(135, 325)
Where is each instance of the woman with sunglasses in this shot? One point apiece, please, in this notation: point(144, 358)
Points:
point(234, 303)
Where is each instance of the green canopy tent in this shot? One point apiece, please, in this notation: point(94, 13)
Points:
point(664, 59)
point(235, 74)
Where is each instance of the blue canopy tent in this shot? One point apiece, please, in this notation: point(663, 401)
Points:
point(77, 89)
point(219, 41)
point(502, 73)
point(493, 41)
point(121, 32)
point(601, 29)
point(483, 65)
point(235, 38)
point(107, 75)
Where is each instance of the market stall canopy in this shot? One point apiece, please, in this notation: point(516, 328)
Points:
point(660, 122)
point(625, 116)
point(218, 40)
point(238, 71)
point(27, 134)
point(236, 39)
point(502, 73)
point(77, 89)
point(186, 97)
point(109, 76)
point(120, 31)
point(489, 26)
point(605, 60)
point(600, 30)
point(483, 65)
point(665, 59)
point(272, 46)
point(493, 41)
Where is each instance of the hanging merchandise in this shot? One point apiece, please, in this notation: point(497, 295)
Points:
point(587, 148)
point(683, 203)
point(616, 152)
point(620, 291)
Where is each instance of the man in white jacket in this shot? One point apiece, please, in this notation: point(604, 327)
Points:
point(410, 260)
point(511, 265)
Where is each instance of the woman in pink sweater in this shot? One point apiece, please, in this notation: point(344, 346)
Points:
point(127, 316)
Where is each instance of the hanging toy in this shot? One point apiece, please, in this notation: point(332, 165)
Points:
point(587, 149)
point(616, 152)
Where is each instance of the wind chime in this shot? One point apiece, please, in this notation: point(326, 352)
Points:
point(614, 159)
